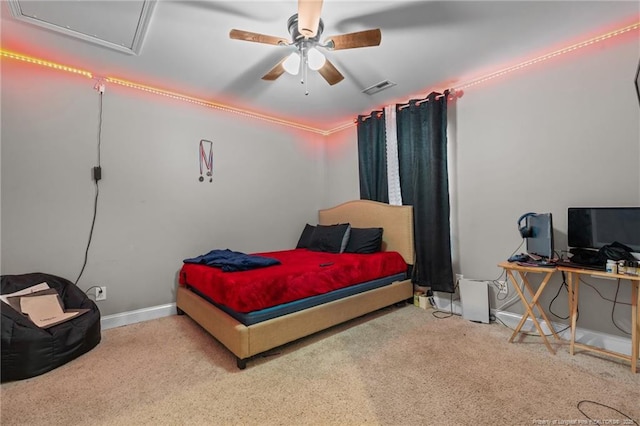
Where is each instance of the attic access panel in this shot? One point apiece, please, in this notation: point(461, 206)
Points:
point(118, 25)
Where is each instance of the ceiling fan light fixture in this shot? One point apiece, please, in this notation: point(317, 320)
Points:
point(292, 64)
point(306, 28)
point(315, 59)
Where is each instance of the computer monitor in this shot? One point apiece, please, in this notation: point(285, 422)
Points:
point(595, 227)
point(540, 241)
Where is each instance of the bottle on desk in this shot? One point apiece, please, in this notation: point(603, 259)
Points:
point(621, 267)
point(612, 266)
point(628, 267)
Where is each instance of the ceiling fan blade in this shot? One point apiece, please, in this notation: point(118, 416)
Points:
point(309, 17)
point(256, 37)
point(330, 73)
point(276, 71)
point(354, 40)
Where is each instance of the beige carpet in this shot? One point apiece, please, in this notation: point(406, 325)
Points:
point(399, 366)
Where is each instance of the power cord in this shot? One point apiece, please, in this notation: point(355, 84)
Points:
point(601, 296)
point(496, 281)
point(517, 248)
point(496, 319)
point(92, 287)
point(526, 333)
point(613, 309)
point(437, 313)
point(497, 284)
point(97, 175)
point(565, 286)
point(605, 406)
point(614, 301)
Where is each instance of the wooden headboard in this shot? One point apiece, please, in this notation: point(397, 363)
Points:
point(397, 222)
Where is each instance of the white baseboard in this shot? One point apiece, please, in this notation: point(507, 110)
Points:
point(585, 336)
point(603, 340)
point(589, 337)
point(132, 317)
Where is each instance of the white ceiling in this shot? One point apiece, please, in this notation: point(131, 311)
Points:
point(425, 45)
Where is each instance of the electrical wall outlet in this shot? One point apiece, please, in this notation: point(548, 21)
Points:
point(504, 289)
point(101, 293)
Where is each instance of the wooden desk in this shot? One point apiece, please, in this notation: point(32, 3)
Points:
point(529, 305)
point(574, 281)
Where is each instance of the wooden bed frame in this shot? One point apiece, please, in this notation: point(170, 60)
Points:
point(247, 341)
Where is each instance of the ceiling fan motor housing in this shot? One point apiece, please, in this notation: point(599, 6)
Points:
point(305, 40)
point(292, 25)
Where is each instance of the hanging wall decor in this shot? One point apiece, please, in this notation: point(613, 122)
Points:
point(206, 159)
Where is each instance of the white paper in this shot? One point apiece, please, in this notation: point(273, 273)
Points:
point(28, 290)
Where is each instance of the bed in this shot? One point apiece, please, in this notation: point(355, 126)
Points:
point(247, 337)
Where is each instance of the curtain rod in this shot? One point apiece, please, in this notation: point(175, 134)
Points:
point(452, 93)
point(400, 107)
point(378, 113)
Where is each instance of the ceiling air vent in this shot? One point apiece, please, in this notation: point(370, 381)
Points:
point(378, 87)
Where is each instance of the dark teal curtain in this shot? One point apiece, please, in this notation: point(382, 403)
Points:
point(422, 157)
point(372, 157)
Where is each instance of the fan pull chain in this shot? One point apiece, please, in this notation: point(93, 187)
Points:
point(304, 64)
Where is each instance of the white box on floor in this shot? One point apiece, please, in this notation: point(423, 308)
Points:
point(474, 297)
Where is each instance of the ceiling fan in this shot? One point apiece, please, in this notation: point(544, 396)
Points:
point(305, 28)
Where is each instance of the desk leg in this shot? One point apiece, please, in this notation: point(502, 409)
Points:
point(570, 296)
point(574, 309)
point(534, 303)
point(635, 323)
point(543, 284)
point(524, 302)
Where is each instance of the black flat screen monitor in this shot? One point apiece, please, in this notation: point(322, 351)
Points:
point(540, 243)
point(595, 227)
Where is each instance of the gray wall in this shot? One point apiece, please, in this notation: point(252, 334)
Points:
point(342, 179)
point(152, 211)
point(562, 133)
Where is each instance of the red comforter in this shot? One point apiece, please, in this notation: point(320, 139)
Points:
point(299, 275)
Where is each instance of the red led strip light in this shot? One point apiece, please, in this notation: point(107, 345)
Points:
point(551, 55)
point(36, 61)
point(275, 120)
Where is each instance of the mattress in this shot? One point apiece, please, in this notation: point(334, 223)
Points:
point(255, 317)
point(301, 274)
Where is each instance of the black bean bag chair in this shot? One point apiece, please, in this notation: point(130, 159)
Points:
point(28, 350)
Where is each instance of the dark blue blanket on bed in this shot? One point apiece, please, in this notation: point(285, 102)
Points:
point(232, 261)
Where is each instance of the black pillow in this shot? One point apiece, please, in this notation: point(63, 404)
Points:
point(329, 238)
point(305, 237)
point(365, 240)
